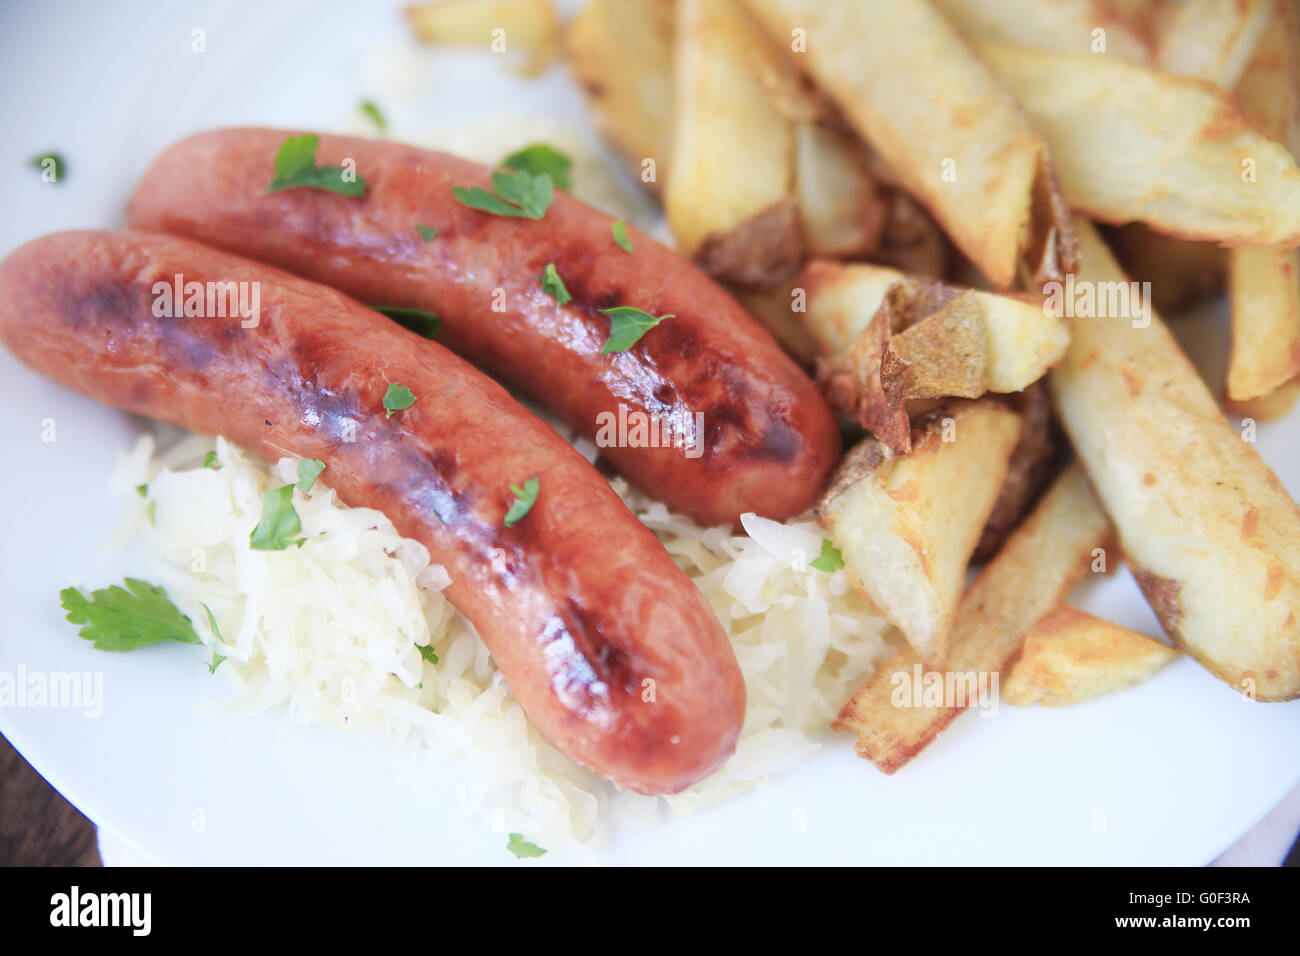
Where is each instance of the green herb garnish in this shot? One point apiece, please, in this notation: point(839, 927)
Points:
point(295, 168)
point(419, 322)
point(375, 113)
point(397, 398)
point(279, 526)
point(516, 194)
point(525, 498)
point(210, 460)
point(142, 491)
point(51, 165)
point(830, 559)
point(309, 470)
point(626, 326)
point(427, 653)
point(619, 229)
point(216, 633)
point(117, 619)
point(522, 848)
point(540, 158)
point(425, 232)
point(553, 285)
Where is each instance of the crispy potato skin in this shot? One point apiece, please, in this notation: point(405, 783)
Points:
point(1210, 532)
point(1028, 580)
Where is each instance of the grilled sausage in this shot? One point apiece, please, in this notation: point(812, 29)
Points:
point(769, 439)
point(611, 650)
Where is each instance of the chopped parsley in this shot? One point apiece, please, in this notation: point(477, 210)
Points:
point(539, 159)
point(124, 619)
point(553, 285)
point(626, 326)
point(525, 498)
point(309, 470)
point(830, 559)
point(418, 321)
point(51, 165)
point(375, 113)
point(427, 653)
point(397, 398)
point(426, 233)
point(216, 634)
point(279, 526)
point(522, 848)
point(519, 194)
point(210, 460)
point(295, 168)
point(619, 229)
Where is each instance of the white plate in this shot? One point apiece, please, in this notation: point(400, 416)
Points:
point(1172, 772)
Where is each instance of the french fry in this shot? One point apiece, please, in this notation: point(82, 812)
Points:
point(1271, 407)
point(899, 72)
point(1070, 26)
point(1070, 657)
point(1212, 39)
point(1029, 579)
point(621, 54)
point(1264, 291)
point(1210, 533)
point(1191, 165)
point(887, 337)
point(1264, 284)
point(730, 200)
point(527, 32)
point(907, 524)
point(840, 208)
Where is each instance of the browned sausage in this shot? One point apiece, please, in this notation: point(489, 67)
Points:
point(611, 650)
point(769, 438)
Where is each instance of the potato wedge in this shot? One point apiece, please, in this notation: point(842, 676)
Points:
point(1211, 39)
point(887, 337)
point(907, 524)
point(1264, 284)
point(1070, 26)
point(1191, 165)
point(730, 200)
point(1277, 404)
point(621, 54)
point(1210, 533)
point(1070, 657)
point(1264, 292)
point(841, 210)
point(526, 32)
point(899, 72)
point(1029, 579)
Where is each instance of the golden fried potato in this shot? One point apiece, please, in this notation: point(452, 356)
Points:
point(1071, 657)
point(526, 32)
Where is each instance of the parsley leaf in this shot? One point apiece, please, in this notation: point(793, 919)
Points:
point(427, 653)
point(426, 233)
point(619, 229)
point(397, 398)
point(216, 633)
point(210, 460)
point(830, 559)
point(115, 619)
point(309, 470)
point(522, 848)
point(142, 491)
point(553, 285)
point(516, 194)
point(51, 165)
point(375, 113)
point(295, 168)
point(525, 498)
point(419, 322)
point(626, 326)
point(540, 158)
point(279, 523)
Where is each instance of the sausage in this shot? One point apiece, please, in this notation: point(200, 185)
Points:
point(608, 646)
point(770, 440)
